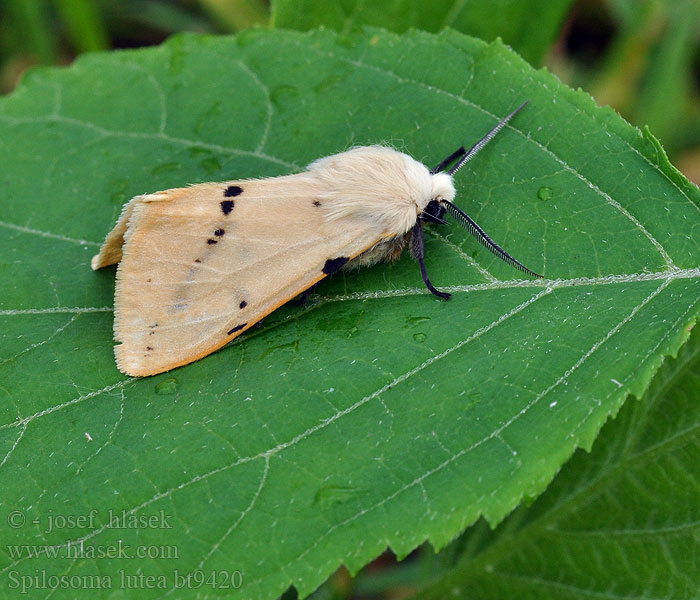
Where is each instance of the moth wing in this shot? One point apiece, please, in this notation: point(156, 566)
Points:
point(200, 265)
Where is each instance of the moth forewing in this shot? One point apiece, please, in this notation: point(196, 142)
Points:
point(202, 264)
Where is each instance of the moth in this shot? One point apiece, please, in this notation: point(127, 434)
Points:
point(200, 265)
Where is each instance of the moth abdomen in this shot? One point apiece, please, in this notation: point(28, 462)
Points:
point(387, 250)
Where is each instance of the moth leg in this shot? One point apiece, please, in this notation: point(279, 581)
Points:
point(418, 252)
point(306, 293)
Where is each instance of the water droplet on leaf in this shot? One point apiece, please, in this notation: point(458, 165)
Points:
point(283, 95)
point(167, 387)
point(165, 168)
point(416, 320)
point(545, 193)
point(210, 164)
point(328, 495)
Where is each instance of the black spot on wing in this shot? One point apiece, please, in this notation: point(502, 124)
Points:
point(316, 203)
point(243, 304)
point(226, 206)
point(211, 241)
point(219, 232)
point(233, 190)
point(333, 264)
point(198, 260)
point(236, 328)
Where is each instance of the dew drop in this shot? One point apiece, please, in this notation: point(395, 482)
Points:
point(545, 193)
point(328, 495)
point(211, 164)
point(284, 95)
point(416, 320)
point(198, 152)
point(328, 82)
point(419, 337)
point(166, 167)
point(167, 387)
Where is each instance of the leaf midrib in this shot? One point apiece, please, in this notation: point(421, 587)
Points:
point(268, 453)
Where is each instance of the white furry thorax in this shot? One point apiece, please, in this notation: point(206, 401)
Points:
point(379, 184)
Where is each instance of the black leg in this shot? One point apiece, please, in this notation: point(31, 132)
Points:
point(418, 252)
point(306, 293)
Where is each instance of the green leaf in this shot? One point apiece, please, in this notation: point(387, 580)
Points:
point(620, 522)
point(376, 416)
point(512, 20)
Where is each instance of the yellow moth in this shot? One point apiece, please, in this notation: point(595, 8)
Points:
point(200, 265)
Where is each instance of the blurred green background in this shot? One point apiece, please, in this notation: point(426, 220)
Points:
point(642, 57)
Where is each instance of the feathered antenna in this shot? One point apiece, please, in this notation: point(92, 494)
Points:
point(463, 218)
point(468, 155)
point(470, 225)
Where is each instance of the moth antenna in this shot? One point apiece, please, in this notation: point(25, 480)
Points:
point(450, 159)
point(467, 156)
point(418, 252)
point(470, 225)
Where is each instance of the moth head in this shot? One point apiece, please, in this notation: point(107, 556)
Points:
point(443, 193)
point(441, 189)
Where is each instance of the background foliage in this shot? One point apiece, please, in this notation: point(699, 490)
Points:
point(640, 57)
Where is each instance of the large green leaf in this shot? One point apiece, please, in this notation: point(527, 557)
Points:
point(622, 522)
point(377, 415)
point(512, 20)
